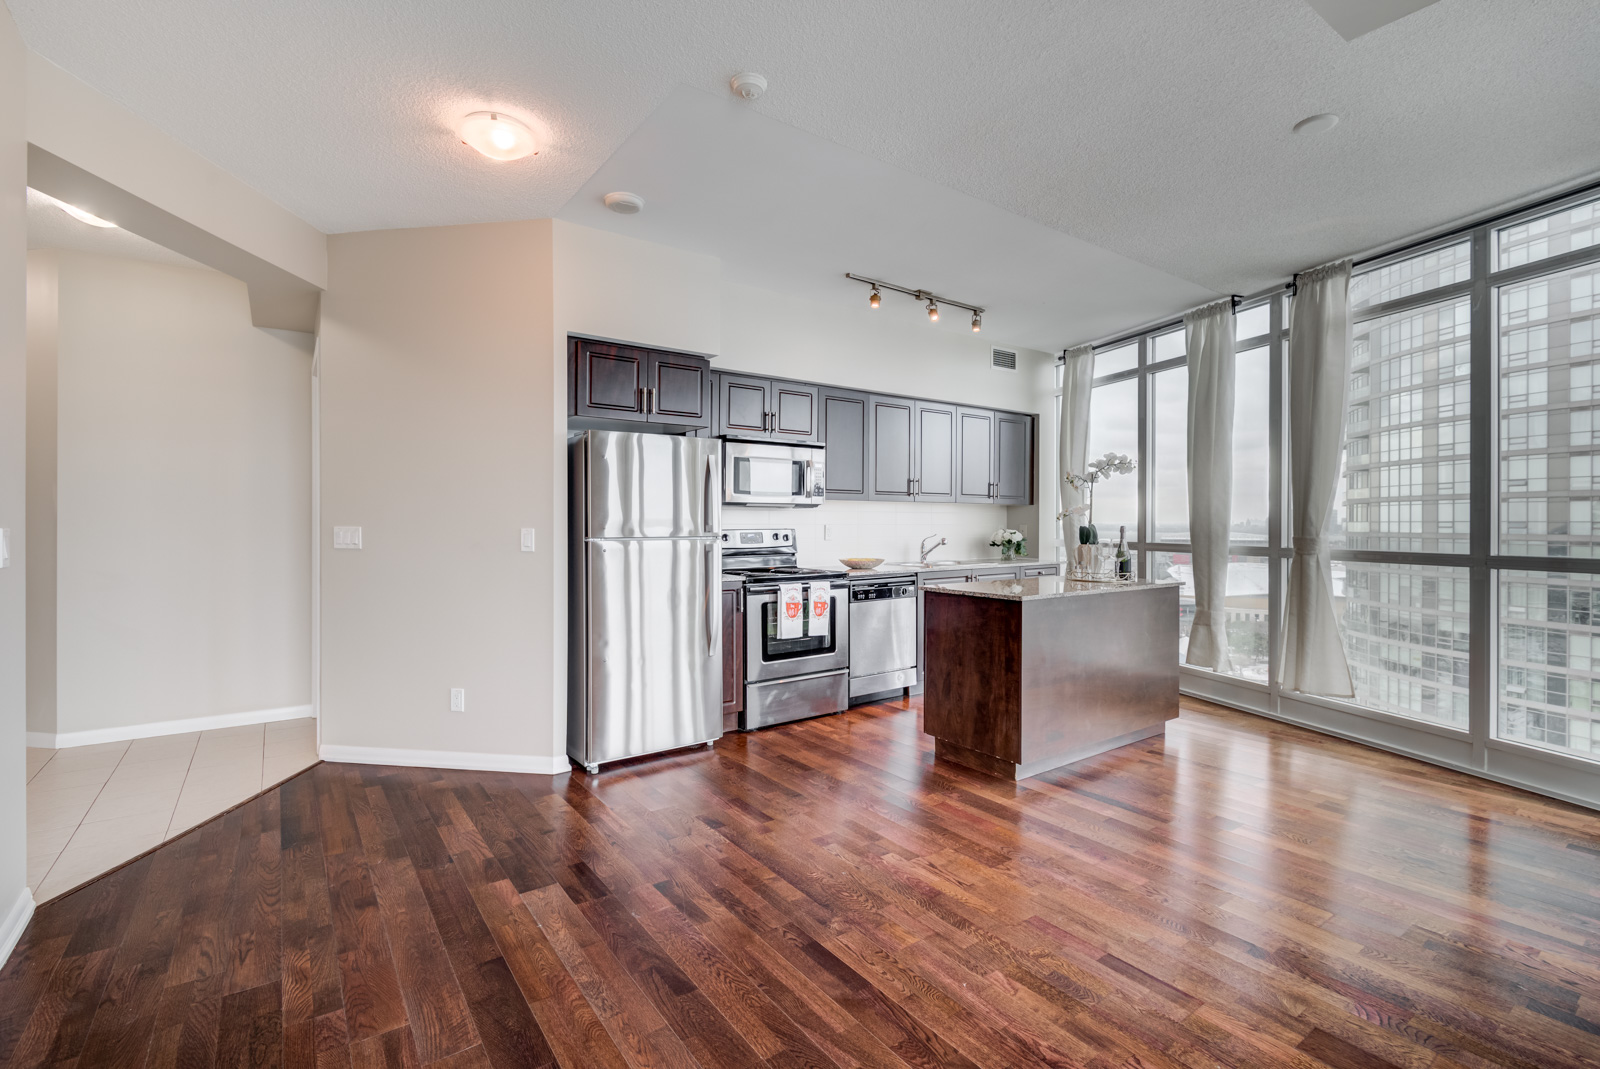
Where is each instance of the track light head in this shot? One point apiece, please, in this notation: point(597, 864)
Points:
point(933, 312)
point(977, 322)
point(876, 299)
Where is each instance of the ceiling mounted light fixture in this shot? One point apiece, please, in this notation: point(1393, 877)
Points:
point(625, 203)
point(748, 84)
point(498, 136)
point(77, 212)
point(1317, 124)
point(932, 300)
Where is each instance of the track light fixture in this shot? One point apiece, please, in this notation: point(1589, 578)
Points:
point(932, 300)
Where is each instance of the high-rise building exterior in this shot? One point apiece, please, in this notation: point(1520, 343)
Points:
point(1406, 484)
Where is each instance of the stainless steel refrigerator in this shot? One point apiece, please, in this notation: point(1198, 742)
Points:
point(645, 595)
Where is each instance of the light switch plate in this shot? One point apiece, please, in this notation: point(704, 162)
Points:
point(5, 547)
point(458, 700)
point(527, 539)
point(347, 538)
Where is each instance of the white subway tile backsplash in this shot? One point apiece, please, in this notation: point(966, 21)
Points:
point(888, 529)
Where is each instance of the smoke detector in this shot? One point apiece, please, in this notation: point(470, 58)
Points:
point(625, 203)
point(748, 85)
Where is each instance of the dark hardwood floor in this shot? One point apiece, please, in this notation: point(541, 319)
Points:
point(1239, 894)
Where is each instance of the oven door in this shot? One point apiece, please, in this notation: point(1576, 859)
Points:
point(769, 657)
point(774, 476)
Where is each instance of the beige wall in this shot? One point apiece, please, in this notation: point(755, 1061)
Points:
point(182, 498)
point(43, 338)
point(15, 901)
point(439, 403)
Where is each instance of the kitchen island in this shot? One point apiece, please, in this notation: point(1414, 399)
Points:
point(1026, 675)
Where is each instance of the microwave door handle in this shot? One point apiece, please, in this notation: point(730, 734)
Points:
point(810, 485)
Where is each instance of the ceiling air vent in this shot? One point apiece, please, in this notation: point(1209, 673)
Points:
point(1005, 361)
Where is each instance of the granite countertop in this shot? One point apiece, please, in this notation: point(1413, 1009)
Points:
point(1044, 587)
point(907, 567)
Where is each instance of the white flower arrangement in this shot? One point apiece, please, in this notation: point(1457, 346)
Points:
point(1099, 468)
point(1010, 541)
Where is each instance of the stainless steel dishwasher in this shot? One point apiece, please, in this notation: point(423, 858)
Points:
point(883, 634)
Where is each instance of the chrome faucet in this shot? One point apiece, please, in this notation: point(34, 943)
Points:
point(926, 549)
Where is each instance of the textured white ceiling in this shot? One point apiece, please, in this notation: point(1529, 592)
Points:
point(1158, 129)
point(51, 228)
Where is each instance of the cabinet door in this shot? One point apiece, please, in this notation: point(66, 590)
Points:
point(611, 380)
point(844, 431)
point(1014, 449)
point(975, 473)
point(732, 656)
point(893, 437)
point(935, 475)
point(794, 412)
point(742, 406)
point(682, 393)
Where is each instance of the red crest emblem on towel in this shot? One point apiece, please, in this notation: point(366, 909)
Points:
point(791, 607)
point(819, 607)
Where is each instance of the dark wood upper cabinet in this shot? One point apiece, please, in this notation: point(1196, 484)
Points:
point(1014, 459)
point(743, 404)
point(893, 441)
point(638, 385)
point(794, 412)
point(611, 380)
point(935, 476)
point(681, 388)
point(975, 474)
point(844, 432)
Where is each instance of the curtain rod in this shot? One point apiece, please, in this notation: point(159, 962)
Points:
point(1383, 252)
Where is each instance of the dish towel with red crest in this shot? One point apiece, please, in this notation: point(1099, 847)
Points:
point(791, 610)
point(821, 608)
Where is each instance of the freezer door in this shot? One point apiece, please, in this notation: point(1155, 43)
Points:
point(652, 486)
point(654, 649)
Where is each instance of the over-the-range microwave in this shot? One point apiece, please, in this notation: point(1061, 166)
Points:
point(772, 474)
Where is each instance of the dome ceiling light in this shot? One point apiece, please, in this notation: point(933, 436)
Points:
point(499, 136)
point(625, 203)
point(932, 300)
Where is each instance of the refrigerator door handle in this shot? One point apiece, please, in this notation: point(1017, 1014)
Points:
point(711, 493)
point(712, 599)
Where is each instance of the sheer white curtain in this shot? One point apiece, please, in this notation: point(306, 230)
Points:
point(1072, 439)
point(1208, 333)
point(1319, 374)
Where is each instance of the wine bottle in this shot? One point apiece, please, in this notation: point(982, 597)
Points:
point(1124, 558)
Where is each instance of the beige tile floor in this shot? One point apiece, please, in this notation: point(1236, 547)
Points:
point(90, 808)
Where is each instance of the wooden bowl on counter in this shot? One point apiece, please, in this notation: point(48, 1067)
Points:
point(861, 564)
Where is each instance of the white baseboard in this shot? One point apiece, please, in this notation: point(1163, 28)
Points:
point(472, 762)
point(96, 736)
point(16, 921)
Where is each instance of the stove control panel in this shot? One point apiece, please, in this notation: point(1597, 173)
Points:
point(758, 537)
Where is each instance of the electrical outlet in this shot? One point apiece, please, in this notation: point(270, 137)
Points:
point(5, 547)
point(827, 532)
point(458, 700)
point(527, 540)
point(347, 538)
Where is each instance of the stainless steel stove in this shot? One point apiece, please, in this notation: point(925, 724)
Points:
point(798, 671)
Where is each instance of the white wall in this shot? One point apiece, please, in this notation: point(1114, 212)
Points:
point(16, 903)
point(892, 350)
point(182, 494)
point(43, 315)
point(441, 418)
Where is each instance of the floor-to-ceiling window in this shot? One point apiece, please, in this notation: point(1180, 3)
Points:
point(1466, 528)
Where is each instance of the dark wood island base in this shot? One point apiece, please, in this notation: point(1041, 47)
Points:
point(1023, 676)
